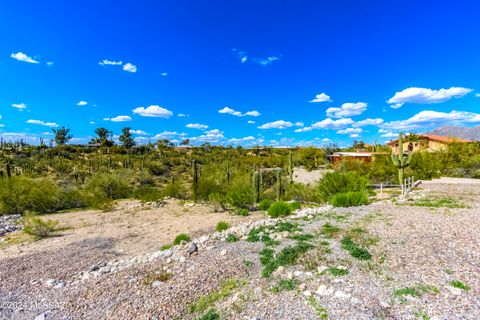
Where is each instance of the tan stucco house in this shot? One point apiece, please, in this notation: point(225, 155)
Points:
point(426, 142)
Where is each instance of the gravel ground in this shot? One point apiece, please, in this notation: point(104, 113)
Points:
point(418, 249)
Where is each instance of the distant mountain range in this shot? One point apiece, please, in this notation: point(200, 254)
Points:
point(458, 132)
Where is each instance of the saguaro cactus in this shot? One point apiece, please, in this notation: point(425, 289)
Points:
point(279, 184)
point(7, 169)
point(256, 186)
point(290, 168)
point(400, 160)
point(195, 180)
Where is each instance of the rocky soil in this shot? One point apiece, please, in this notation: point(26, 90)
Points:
point(416, 262)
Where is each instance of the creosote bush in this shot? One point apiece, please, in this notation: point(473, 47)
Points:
point(349, 199)
point(337, 182)
point(39, 228)
point(265, 204)
point(279, 209)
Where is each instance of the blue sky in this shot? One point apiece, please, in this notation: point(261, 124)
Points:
point(238, 72)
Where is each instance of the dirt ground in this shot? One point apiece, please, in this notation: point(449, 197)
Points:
point(130, 228)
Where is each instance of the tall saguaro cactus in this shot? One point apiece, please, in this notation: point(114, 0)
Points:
point(279, 184)
point(256, 186)
point(290, 168)
point(400, 160)
point(195, 180)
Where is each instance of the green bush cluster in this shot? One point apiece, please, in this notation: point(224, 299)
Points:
point(279, 209)
point(349, 199)
point(338, 182)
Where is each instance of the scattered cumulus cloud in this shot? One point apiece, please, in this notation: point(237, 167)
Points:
point(164, 74)
point(119, 119)
point(279, 124)
point(42, 123)
point(243, 57)
point(251, 122)
point(299, 124)
point(322, 97)
point(20, 56)
point(182, 115)
point(197, 126)
point(328, 124)
point(477, 95)
point(153, 111)
point(350, 131)
point(228, 110)
point(347, 110)
point(389, 134)
point(241, 140)
point(82, 103)
point(139, 132)
point(426, 96)
point(326, 140)
point(129, 67)
point(354, 135)
point(106, 62)
point(266, 61)
point(368, 122)
point(429, 118)
point(20, 106)
point(50, 63)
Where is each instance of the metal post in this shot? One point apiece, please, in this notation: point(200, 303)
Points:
point(381, 189)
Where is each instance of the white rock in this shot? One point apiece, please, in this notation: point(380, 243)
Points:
point(156, 283)
point(342, 267)
point(289, 275)
point(224, 252)
point(321, 269)
point(455, 291)
point(307, 293)
point(342, 295)
point(323, 290)
point(41, 316)
point(298, 273)
point(302, 286)
point(50, 282)
point(308, 274)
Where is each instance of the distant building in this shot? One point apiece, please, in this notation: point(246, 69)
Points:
point(363, 156)
point(425, 142)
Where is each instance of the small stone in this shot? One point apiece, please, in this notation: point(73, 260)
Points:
point(323, 290)
point(224, 252)
point(289, 275)
point(307, 293)
point(298, 273)
point(384, 305)
point(342, 295)
point(308, 274)
point(41, 316)
point(50, 282)
point(59, 285)
point(280, 270)
point(156, 283)
point(302, 286)
point(104, 270)
point(257, 291)
point(191, 248)
point(454, 291)
point(321, 269)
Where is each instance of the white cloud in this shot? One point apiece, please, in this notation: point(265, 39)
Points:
point(477, 95)
point(197, 126)
point(212, 136)
point(305, 129)
point(167, 135)
point(241, 55)
point(92, 122)
point(354, 135)
point(350, 130)
point(182, 115)
point(332, 124)
point(139, 132)
point(42, 123)
point(106, 62)
point(326, 140)
point(279, 124)
point(428, 118)
point(50, 63)
point(426, 95)
point(20, 56)
point(19, 106)
point(250, 122)
point(153, 111)
point(368, 122)
point(227, 110)
point(347, 110)
point(129, 67)
point(322, 97)
point(164, 74)
point(389, 134)
point(266, 61)
point(119, 119)
point(82, 103)
point(299, 124)
point(241, 140)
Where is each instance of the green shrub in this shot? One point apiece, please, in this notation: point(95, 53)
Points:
point(210, 315)
point(349, 199)
point(243, 212)
point(231, 238)
point(240, 196)
point(265, 204)
point(222, 225)
point(148, 194)
point(279, 209)
point(301, 192)
point(165, 247)
point(337, 182)
point(295, 205)
point(69, 198)
point(109, 185)
point(355, 251)
point(39, 228)
point(181, 237)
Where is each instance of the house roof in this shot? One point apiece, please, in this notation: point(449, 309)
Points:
point(434, 137)
point(355, 154)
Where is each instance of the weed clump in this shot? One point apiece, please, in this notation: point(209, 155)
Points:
point(40, 228)
point(279, 209)
point(226, 289)
point(286, 257)
point(355, 251)
point(265, 204)
point(460, 285)
point(181, 237)
point(222, 226)
point(349, 199)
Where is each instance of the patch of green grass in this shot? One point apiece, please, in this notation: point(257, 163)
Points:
point(256, 233)
point(286, 226)
point(416, 291)
point(329, 230)
point(448, 271)
point(165, 247)
point(210, 315)
point(181, 237)
point(226, 289)
point(422, 315)
point(460, 285)
point(152, 276)
point(284, 284)
point(248, 263)
point(319, 310)
point(287, 256)
point(337, 271)
point(444, 202)
point(355, 251)
point(222, 226)
point(231, 238)
point(302, 237)
point(269, 241)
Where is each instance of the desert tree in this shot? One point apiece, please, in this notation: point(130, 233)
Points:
point(62, 136)
point(126, 138)
point(104, 137)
